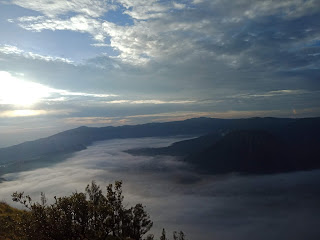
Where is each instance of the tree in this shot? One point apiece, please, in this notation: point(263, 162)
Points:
point(82, 216)
point(163, 235)
point(182, 236)
point(141, 222)
point(175, 236)
point(150, 237)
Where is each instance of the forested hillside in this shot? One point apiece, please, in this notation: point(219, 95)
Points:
point(263, 147)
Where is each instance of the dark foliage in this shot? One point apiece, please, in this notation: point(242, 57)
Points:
point(81, 216)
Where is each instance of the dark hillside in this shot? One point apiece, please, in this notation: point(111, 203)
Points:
point(78, 139)
point(256, 145)
point(182, 148)
point(301, 134)
point(243, 151)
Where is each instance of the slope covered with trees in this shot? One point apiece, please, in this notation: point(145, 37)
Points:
point(268, 147)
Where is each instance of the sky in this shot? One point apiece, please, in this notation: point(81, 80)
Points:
point(65, 64)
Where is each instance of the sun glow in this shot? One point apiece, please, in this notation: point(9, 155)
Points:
point(22, 113)
point(19, 92)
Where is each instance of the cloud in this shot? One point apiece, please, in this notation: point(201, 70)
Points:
point(150, 102)
point(124, 118)
point(32, 112)
point(93, 8)
point(177, 59)
point(69, 93)
point(100, 45)
point(175, 116)
point(276, 93)
point(179, 5)
point(7, 49)
point(214, 29)
point(289, 9)
point(22, 113)
point(17, 91)
point(78, 23)
point(142, 9)
point(13, 50)
point(229, 207)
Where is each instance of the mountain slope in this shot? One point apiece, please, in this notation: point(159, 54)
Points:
point(182, 148)
point(79, 138)
point(273, 148)
point(243, 151)
point(58, 146)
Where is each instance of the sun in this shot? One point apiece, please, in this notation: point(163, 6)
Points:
point(15, 91)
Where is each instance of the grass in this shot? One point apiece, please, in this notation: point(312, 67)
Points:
point(8, 220)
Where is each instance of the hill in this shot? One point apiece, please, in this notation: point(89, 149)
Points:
point(266, 149)
point(243, 151)
point(33, 154)
point(182, 148)
point(78, 139)
point(8, 217)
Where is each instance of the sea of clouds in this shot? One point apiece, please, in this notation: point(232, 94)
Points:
point(205, 207)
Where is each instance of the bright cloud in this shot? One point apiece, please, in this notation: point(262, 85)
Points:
point(22, 113)
point(15, 91)
point(34, 112)
point(13, 50)
point(19, 92)
point(93, 8)
point(158, 29)
point(68, 93)
point(150, 101)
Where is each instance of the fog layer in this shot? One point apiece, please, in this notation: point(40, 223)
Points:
point(282, 206)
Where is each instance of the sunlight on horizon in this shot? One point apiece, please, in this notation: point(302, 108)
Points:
point(22, 113)
point(15, 91)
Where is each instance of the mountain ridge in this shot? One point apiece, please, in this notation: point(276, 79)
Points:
point(73, 140)
point(291, 147)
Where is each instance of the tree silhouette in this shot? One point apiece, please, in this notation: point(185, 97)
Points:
point(88, 215)
point(83, 216)
point(163, 235)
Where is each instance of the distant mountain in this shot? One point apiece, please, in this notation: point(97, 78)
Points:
point(78, 139)
point(296, 131)
point(182, 148)
point(243, 151)
point(272, 148)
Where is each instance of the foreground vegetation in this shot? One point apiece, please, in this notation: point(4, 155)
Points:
point(9, 222)
point(80, 216)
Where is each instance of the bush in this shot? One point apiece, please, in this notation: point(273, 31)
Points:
point(9, 219)
point(83, 216)
point(80, 216)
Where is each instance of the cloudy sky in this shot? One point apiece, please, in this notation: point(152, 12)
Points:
point(112, 62)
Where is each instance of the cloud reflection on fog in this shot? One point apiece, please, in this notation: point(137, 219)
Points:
point(282, 206)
